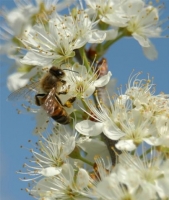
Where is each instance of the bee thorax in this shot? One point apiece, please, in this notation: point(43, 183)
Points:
point(49, 82)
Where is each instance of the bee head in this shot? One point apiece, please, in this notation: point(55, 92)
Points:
point(59, 73)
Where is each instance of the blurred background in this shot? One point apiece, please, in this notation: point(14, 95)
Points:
point(16, 130)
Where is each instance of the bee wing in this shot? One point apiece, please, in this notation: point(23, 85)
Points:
point(25, 92)
point(50, 102)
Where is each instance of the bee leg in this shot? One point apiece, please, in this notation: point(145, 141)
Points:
point(63, 82)
point(63, 92)
point(58, 100)
point(69, 102)
point(39, 99)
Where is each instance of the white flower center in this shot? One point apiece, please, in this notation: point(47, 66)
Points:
point(80, 87)
point(133, 26)
point(151, 174)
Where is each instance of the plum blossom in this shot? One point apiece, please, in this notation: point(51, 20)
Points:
point(84, 82)
point(109, 11)
point(15, 81)
point(64, 186)
point(53, 153)
point(17, 23)
point(136, 19)
point(125, 120)
point(148, 172)
point(56, 42)
point(99, 152)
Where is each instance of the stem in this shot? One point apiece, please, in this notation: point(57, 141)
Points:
point(76, 155)
point(78, 56)
point(107, 44)
point(102, 95)
point(84, 57)
point(101, 49)
point(86, 161)
point(84, 104)
point(146, 152)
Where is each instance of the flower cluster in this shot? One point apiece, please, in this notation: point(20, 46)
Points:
point(93, 142)
point(133, 117)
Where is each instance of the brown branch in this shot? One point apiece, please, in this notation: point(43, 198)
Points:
point(102, 95)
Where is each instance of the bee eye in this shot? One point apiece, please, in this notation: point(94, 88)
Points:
point(60, 72)
point(56, 72)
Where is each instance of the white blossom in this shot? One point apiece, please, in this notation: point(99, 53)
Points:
point(130, 127)
point(111, 188)
point(16, 81)
point(130, 119)
point(162, 136)
point(84, 82)
point(53, 153)
point(64, 186)
point(151, 173)
point(57, 42)
point(109, 11)
point(143, 24)
point(115, 145)
point(140, 20)
point(17, 25)
point(143, 21)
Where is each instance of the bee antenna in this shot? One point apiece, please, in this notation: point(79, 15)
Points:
point(71, 70)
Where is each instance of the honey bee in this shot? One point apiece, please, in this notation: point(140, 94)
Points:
point(50, 84)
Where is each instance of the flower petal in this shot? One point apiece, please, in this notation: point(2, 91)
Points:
point(126, 145)
point(82, 179)
point(111, 34)
point(89, 128)
point(150, 52)
point(68, 173)
point(153, 141)
point(113, 132)
point(131, 7)
point(143, 41)
point(97, 37)
point(34, 59)
point(68, 147)
point(50, 171)
point(16, 81)
point(100, 149)
point(41, 120)
point(90, 90)
point(103, 80)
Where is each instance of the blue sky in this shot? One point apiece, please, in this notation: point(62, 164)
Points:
point(16, 130)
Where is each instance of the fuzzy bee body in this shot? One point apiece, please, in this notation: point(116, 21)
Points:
point(53, 106)
point(50, 85)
